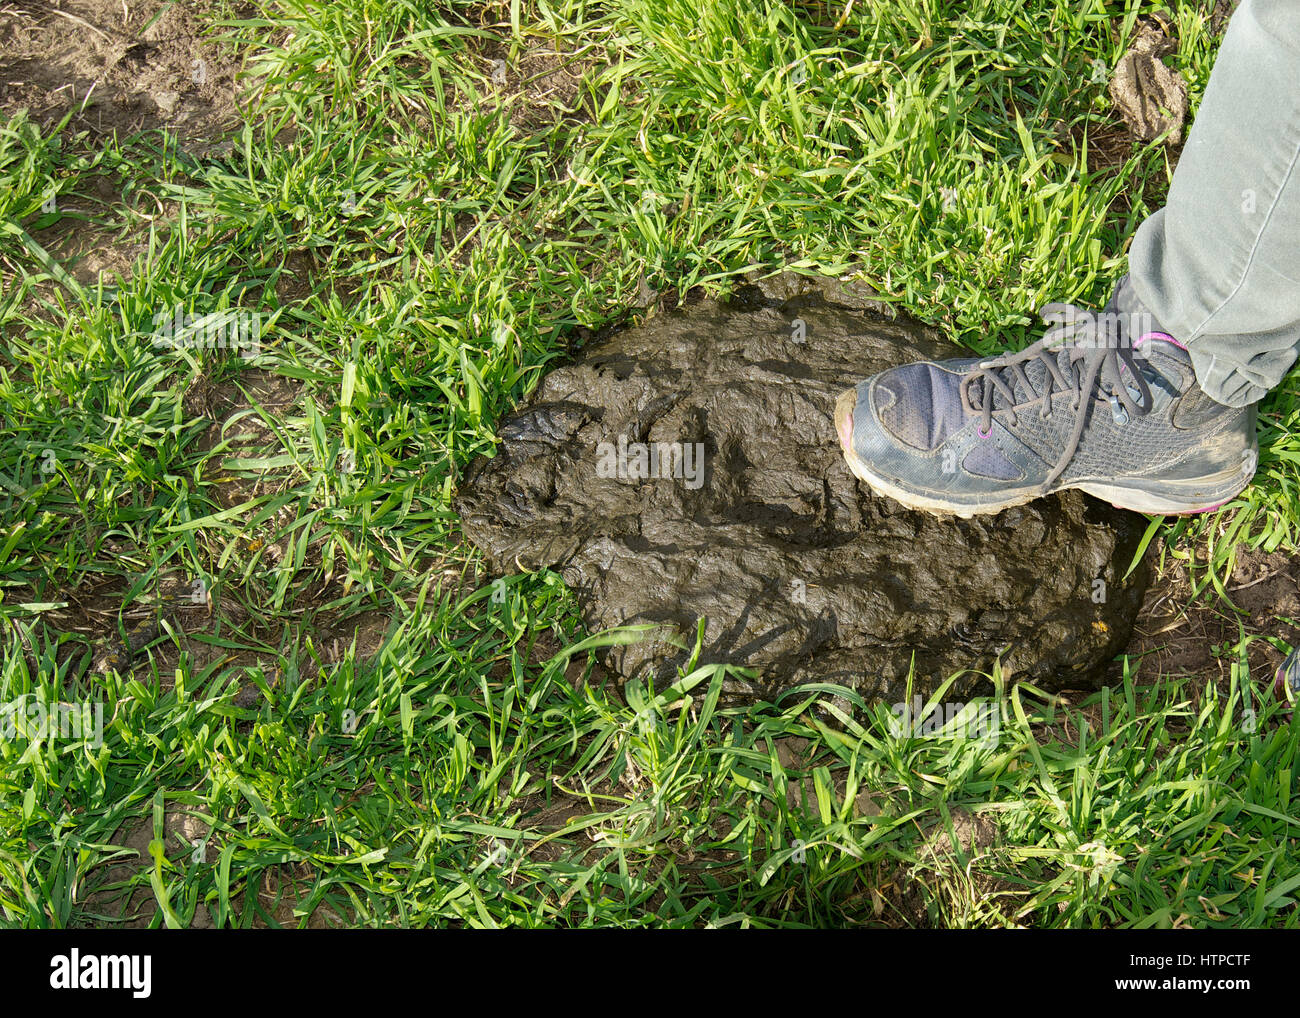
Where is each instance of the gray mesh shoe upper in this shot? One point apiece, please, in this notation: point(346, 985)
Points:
point(1098, 401)
point(920, 404)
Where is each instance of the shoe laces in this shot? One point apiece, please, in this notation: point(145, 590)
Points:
point(1084, 357)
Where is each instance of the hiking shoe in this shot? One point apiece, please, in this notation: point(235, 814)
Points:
point(1103, 403)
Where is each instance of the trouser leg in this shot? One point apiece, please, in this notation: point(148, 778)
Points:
point(1219, 266)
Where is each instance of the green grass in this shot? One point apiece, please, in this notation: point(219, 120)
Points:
point(420, 243)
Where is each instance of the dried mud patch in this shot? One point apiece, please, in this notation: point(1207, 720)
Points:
point(550, 83)
point(113, 69)
point(118, 67)
point(91, 239)
point(121, 896)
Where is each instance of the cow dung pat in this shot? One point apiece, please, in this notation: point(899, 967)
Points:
point(688, 468)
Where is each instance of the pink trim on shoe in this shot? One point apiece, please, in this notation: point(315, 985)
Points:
point(1159, 335)
point(1206, 509)
point(846, 432)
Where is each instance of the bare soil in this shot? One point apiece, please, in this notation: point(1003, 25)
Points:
point(1176, 636)
point(118, 66)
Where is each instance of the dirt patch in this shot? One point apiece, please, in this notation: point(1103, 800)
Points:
point(197, 615)
point(282, 891)
point(122, 895)
point(1175, 636)
point(88, 238)
point(160, 631)
point(1108, 145)
point(118, 67)
point(238, 410)
point(231, 406)
point(973, 832)
point(1221, 12)
point(1148, 94)
point(296, 281)
point(123, 898)
point(179, 615)
point(792, 753)
point(551, 82)
point(96, 608)
point(543, 84)
point(542, 81)
point(947, 881)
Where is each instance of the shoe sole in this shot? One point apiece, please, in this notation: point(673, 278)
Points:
point(1188, 503)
